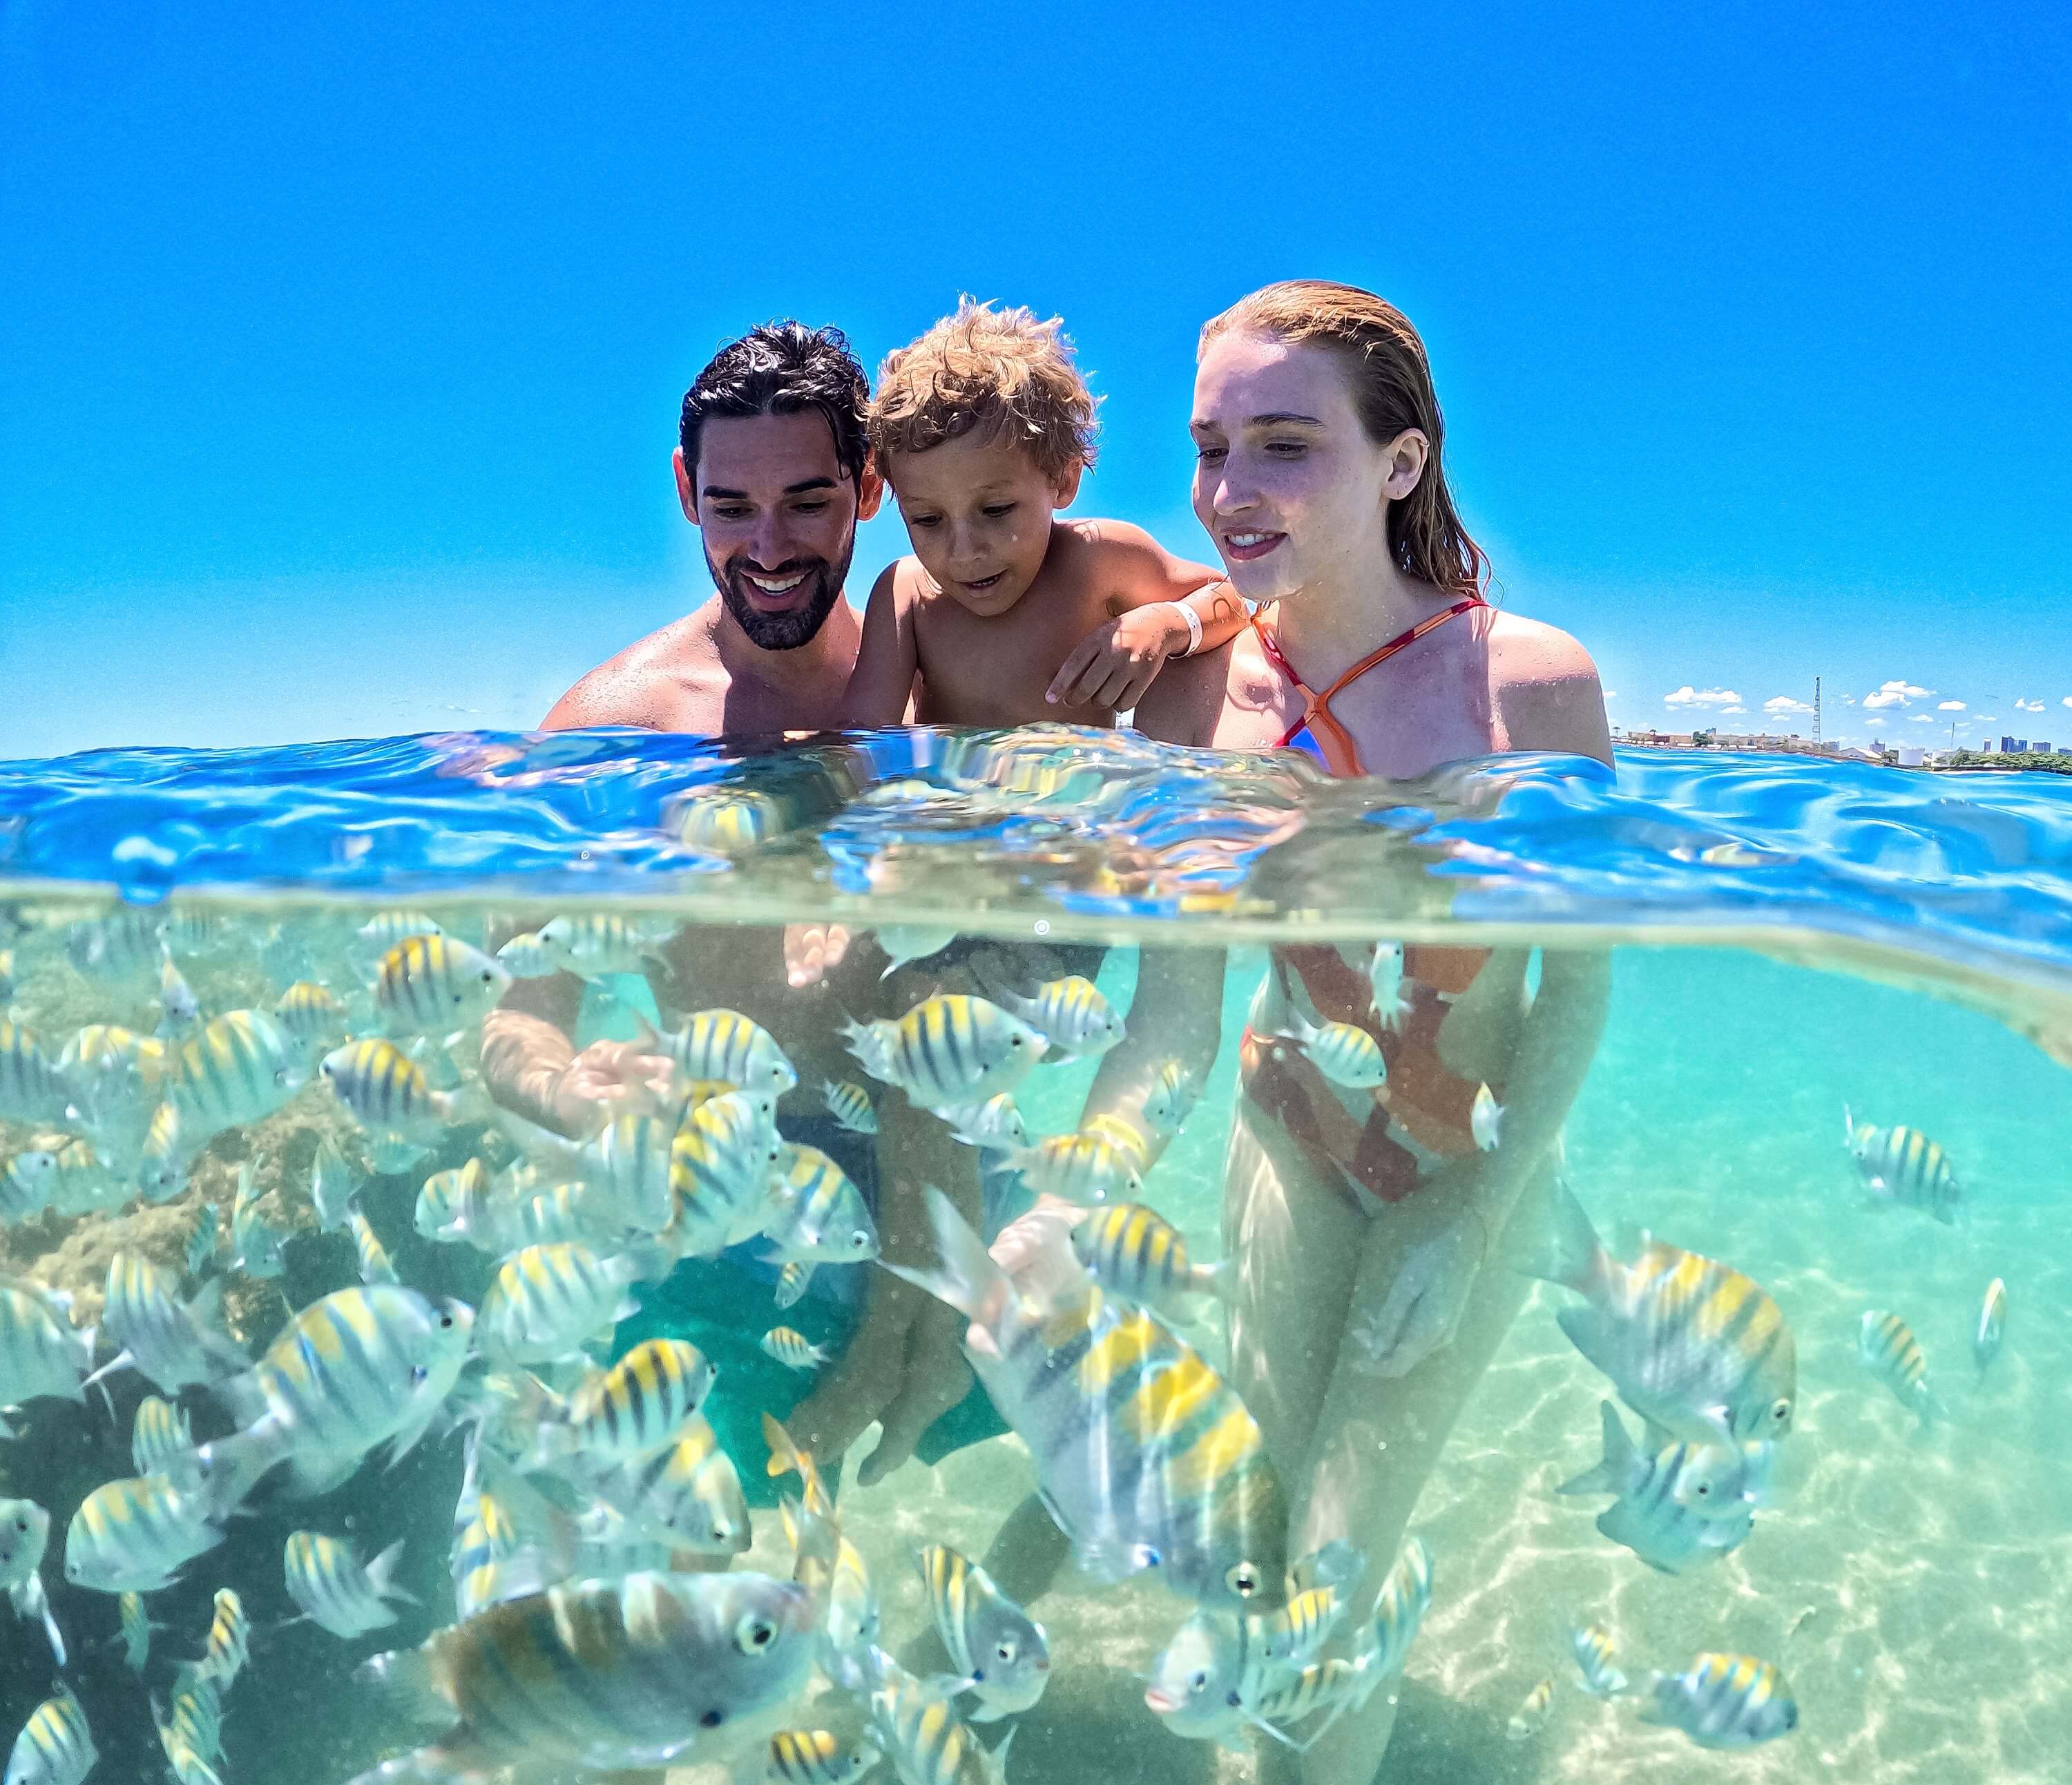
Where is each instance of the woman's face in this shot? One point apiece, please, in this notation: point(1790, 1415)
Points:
point(1286, 480)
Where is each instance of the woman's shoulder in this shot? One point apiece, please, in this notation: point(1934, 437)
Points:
point(1545, 688)
point(1184, 704)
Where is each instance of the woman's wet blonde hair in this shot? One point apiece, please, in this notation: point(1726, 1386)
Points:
point(999, 374)
point(1390, 376)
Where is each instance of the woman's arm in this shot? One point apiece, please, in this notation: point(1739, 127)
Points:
point(1175, 1019)
point(881, 685)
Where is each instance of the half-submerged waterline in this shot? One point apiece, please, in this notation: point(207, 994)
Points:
point(216, 935)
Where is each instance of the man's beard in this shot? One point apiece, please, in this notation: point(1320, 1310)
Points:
point(795, 626)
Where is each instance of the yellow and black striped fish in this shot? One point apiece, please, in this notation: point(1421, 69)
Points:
point(1902, 1166)
point(725, 1046)
point(386, 1089)
point(55, 1747)
point(1531, 1717)
point(375, 1265)
point(229, 1641)
point(335, 1591)
point(135, 1535)
point(1723, 1701)
point(241, 1067)
point(1072, 1015)
point(1140, 1257)
point(544, 1301)
point(1888, 1345)
point(311, 1013)
point(1992, 1328)
point(31, 1088)
point(850, 1105)
point(922, 1736)
point(436, 982)
point(638, 1406)
point(720, 1163)
point(1689, 1342)
point(687, 1496)
point(1145, 1456)
point(1077, 1168)
point(355, 1368)
point(819, 1212)
point(949, 1051)
point(1595, 1653)
point(816, 1757)
point(160, 1438)
point(614, 1673)
point(992, 1641)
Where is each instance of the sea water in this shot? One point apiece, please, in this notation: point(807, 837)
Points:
point(1787, 937)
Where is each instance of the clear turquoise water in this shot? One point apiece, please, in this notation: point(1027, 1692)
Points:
point(1915, 964)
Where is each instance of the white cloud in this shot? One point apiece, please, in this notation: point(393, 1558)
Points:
point(1897, 694)
point(1784, 703)
point(1849, 699)
point(1987, 718)
point(1957, 707)
point(1689, 696)
point(1922, 718)
point(1727, 710)
point(2028, 706)
point(2067, 701)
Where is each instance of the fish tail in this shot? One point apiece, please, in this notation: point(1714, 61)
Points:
point(1219, 1279)
point(226, 1471)
point(968, 1280)
point(381, 1574)
point(1573, 1257)
point(1608, 1476)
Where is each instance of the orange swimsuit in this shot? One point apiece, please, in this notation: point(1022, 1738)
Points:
point(1423, 1111)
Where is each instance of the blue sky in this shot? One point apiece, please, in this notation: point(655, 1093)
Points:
point(347, 343)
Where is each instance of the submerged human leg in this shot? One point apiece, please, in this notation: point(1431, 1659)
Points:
point(1379, 1441)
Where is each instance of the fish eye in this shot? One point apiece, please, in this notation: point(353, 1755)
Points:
point(418, 1374)
point(1781, 1412)
point(1199, 1683)
point(445, 1322)
point(711, 1720)
point(1703, 1489)
point(1005, 1651)
point(753, 1635)
point(21, 1524)
point(1244, 1579)
point(859, 1238)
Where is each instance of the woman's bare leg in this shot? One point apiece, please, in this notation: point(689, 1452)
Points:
point(1377, 1443)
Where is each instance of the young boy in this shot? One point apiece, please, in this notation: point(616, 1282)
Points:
point(982, 429)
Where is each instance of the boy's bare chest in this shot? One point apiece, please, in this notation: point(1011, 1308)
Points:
point(995, 670)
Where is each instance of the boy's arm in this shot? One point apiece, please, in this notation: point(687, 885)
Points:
point(886, 661)
point(1151, 593)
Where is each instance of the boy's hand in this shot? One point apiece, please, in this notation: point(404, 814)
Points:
point(1113, 665)
point(813, 951)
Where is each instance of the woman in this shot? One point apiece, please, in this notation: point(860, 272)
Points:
point(1373, 1232)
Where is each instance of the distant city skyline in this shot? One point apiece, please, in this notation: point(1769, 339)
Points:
point(354, 347)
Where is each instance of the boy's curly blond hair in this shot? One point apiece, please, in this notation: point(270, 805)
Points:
point(1000, 374)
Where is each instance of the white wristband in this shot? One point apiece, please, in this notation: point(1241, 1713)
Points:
point(1194, 627)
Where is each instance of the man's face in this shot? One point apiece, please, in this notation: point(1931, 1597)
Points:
point(779, 520)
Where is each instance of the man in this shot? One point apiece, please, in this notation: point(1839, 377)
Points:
point(774, 470)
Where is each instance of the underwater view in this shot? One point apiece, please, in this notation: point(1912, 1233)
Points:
point(975, 1257)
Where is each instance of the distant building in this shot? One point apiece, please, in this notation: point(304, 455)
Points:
point(2008, 746)
point(1910, 756)
point(2041, 747)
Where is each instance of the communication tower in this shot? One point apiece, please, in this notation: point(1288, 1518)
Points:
point(1816, 712)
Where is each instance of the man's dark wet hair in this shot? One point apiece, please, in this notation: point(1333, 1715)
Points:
point(779, 369)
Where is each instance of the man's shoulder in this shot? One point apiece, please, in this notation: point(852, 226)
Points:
point(645, 684)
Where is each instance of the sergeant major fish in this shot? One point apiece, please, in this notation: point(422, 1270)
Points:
point(1140, 1257)
point(436, 982)
point(333, 1591)
point(173, 1343)
point(949, 1051)
point(255, 1242)
point(1902, 1167)
point(1147, 1459)
point(1071, 1014)
point(1887, 1344)
point(1992, 1328)
point(354, 1369)
point(55, 1747)
point(605, 1674)
point(1657, 1514)
point(136, 1534)
point(160, 1438)
point(1690, 1343)
point(992, 1642)
point(1723, 1701)
point(41, 1353)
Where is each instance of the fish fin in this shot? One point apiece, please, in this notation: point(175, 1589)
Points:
point(1593, 1334)
point(381, 1571)
point(968, 1280)
point(1849, 1129)
point(309, 1478)
point(1337, 1564)
point(1574, 1255)
point(1651, 1711)
point(121, 1360)
point(1610, 1476)
point(1219, 1279)
point(996, 1762)
point(230, 1468)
